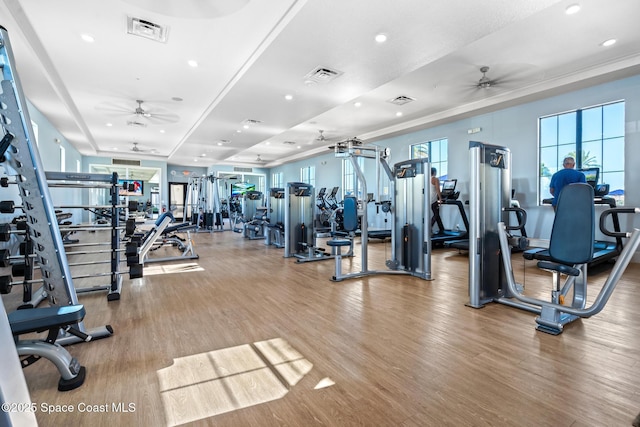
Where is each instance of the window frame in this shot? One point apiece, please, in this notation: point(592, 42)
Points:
point(584, 136)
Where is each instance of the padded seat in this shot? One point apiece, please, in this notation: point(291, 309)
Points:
point(339, 242)
point(43, 319)
point(560, 268)
point(52, 319)
point(178, 227)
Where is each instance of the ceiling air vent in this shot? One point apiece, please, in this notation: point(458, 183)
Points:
point(251, 122)
point(125, 162)
point(401, 100)
point(136, 124)
point(146, 29)
point(288, 142)
point(239, 169)
point(321, 75)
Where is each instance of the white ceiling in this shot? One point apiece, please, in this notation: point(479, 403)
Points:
point(252, 53)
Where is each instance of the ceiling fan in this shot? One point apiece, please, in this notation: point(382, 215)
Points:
point(139, 115)
point(137, 149)
point(321, 138)
point(485, 82)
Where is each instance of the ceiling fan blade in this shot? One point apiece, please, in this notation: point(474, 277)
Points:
point(160, 118)
point(115, 108)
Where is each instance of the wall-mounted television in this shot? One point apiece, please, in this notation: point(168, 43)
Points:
point(240, 188)
point(131, 187)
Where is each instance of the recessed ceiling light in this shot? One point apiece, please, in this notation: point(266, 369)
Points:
point(109, 124)
point(88, 38)
point(298, 147)
point(399, 113)
point(203, 155)
point(609, 42)
point(572, 9)
point(195, 160)
point(192, 63)
point(357, 104)
point(219, 143)
point(161, 130)
point(267, 143)
point(246, 126)
point(288, 97)
point(114, 148)
point(381, 38)
point(239, 131)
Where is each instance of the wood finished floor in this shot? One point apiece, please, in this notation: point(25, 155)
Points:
point(392, 350)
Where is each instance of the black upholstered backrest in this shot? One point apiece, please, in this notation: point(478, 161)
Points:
point(572, 236)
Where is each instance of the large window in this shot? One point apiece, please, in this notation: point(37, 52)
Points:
point(436, 152)
point(276, 180)
point(350, 184)
point(593, 136)
point(308, 175)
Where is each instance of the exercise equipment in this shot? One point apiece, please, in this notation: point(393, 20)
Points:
point(520, 243)
point(450, 198)
point(350, 225)
point(256, 222)
point(489, 190)
point(13, 386)
point(275, 220)
point(22, 160)
point(299, 233)
point(203, 204)
point(571, 248)
point(410, 239)
point(490, 273)
point(411, 236)
point(603, 251)
point(161, 234)
point(80, 180)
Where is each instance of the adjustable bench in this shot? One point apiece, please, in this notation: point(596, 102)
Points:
point(52, 319)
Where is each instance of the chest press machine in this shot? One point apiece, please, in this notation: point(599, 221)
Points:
point(571, 247)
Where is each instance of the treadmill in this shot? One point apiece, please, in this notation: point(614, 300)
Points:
point(603, 250)
point(463, 244)
point(450, 197)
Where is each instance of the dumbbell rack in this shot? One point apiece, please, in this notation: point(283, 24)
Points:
point(21, 159)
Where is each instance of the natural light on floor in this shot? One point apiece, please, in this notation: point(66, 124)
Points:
point(175, 268)
point(207, 384)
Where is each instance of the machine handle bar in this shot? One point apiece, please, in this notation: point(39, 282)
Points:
point(606, 213)
point(524, 218)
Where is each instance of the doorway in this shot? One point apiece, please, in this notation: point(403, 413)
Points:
point(177, 196)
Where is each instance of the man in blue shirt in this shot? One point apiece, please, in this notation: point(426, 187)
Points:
point(563, 177)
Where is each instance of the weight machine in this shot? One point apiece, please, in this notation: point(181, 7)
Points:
point(275, 217)
point(410, 210)
point(571, 246)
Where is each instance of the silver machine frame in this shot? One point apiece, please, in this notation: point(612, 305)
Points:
point(22, 160)
point(299, 208)
point(491, 276)
point(275, 214)
point(413, 175)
